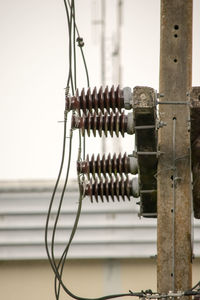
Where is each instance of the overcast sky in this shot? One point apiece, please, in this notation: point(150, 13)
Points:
point(33, 71)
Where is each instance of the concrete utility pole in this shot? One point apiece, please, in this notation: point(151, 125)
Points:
point(174, 166)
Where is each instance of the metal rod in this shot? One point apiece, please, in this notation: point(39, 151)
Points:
point(147, 191)
point(147, 153)
point(147, 215)
point(174, 102)
point(144, 127)
point(173, 211)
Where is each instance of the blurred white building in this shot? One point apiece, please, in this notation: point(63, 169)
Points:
point(113, 250)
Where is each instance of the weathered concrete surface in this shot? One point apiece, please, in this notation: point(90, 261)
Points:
point(174, 166)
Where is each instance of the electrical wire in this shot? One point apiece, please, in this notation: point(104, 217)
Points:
point(61, 201)
point(62, 260)
point(51, 257)
point(55, 267)
point(63, 257)
point(81, 44)
point(70, 80)
point(72, 32)
point(74, 42)
point(54, 191)
point(79, 39)
point(59, 267)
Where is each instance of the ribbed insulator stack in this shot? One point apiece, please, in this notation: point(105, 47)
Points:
point(113, 188)
point(101, 112)
point(108, 165)
point(102, 100)
point(113, 123)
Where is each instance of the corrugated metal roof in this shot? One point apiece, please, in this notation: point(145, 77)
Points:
point(106, 230)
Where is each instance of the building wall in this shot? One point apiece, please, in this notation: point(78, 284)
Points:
point(113, 250)
point(105, 230)
point(33, 280)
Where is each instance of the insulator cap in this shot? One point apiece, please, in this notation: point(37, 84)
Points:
point(112, 188)
point(102, 100)
point(108, 165)
point(98, 123)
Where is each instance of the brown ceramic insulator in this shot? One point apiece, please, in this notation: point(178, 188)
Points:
point(113, 123)
point(83, 166)
point(102, 100)
point(110, 165)
point(72, 103)
point(110, 188)
point(78, 122)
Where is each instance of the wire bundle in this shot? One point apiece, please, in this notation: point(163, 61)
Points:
point(58, 267)
point(71, 84)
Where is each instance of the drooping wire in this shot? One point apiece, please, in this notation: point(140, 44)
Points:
point(58, 276)
point(80, 45)
point(54, 191)
point(74, 41)
point(70, 80)
point(60, 204)
point(64, 255)
point(51, 256)
point(55, 266)
point(195, 286)
point(52, 259)
point(61, 262)
point(62, 160)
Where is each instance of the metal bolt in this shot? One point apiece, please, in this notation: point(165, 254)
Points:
point(160, 95)
point(128, 98)
point(161, 124)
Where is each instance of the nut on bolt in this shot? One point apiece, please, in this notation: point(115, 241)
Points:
point(161, 124)
point(160, 95)
point(128, 98)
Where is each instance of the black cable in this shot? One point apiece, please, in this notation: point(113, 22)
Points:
point(71, 29)
point(64, 255)
point(70, 48)
point(69, 159)
point(70, 56)
point(70, 78)
point(62, 260)
point(51, 259)
point(55, 189)
point(61, 201)
point(192, 290)
point(196, 285)
point(81, 44)
point(74, 41)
